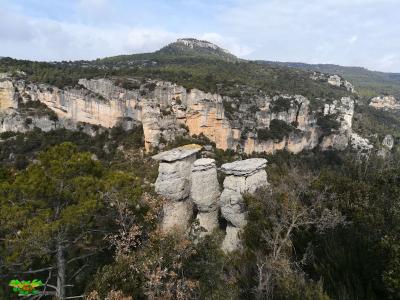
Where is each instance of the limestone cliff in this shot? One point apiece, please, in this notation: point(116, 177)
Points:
point(166, 110)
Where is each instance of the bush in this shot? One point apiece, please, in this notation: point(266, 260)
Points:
point(328, 123)
point(281, 104)
point(277, 131)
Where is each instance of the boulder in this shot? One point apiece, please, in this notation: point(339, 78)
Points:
point(388, 142)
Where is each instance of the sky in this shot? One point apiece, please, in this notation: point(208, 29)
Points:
point(347, 32)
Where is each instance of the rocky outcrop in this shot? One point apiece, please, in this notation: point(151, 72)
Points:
point(343, 111)
point(242, 177)
point(15, 121)
point(174, 183)
point(387, 146)
point(8, 97)
point(334, 80)
point(385, 103)
point(204, 193)
point(362, 145)
point(388, 142)
point(181, 176)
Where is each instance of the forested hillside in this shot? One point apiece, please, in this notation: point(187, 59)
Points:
point(369, 83)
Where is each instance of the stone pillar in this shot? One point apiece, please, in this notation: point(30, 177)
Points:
point(204, 193)
point(173, 183)
point(243, 176)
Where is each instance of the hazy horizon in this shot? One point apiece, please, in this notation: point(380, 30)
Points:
point(357, 33)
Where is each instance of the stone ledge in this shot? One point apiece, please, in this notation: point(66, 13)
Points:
point(244, 167)
point(177, 153)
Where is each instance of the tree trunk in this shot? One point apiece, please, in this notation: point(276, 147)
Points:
point(60, 272)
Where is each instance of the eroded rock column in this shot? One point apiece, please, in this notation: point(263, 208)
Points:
point(204, 193)
point(173, 183)
point(242, 177)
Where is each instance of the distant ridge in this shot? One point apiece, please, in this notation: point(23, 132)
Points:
point(368, 82)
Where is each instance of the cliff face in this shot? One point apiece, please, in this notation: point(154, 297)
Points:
point(167, 110)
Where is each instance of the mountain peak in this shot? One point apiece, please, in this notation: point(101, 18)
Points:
point(195, 47)
point(193, 43)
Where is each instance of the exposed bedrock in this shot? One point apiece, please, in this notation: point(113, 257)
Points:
point(173, 183)
point(204, 193)
point(344, 111)
point(242, 177)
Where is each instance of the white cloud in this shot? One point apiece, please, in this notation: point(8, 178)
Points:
point(45, 39)
point(353, 39)
point(231, 44)
point(347, 32)
point(93, 4)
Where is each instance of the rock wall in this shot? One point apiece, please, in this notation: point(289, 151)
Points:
point(166, 110)
point(344, 111)
point(7, 95)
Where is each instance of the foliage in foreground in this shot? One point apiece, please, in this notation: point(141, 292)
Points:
point(327, 228)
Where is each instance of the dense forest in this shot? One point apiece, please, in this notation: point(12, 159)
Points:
point(80, 214)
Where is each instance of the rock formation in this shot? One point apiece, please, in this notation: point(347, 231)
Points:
point(241, 177)
point(174, 183)
point(388, 142)
point(166, 110)
point(181, 175)
point(385, 103)
point(387, 146)
point(334, 80)
point(204, 193)
point(344, 111)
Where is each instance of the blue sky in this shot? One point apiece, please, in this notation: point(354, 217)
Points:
point(347, 32)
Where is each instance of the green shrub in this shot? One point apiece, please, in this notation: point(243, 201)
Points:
point(328, 123)
point(281, 104)
point(277, 131)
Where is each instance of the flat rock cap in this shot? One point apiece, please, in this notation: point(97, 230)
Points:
point(244, 167)
point(177, 153)
point(203, 164)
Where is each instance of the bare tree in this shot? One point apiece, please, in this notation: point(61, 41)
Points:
point(292, 205)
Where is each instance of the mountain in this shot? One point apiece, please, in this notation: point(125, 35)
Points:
point(187, 62)
point(368, 83)
point(196, 48)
